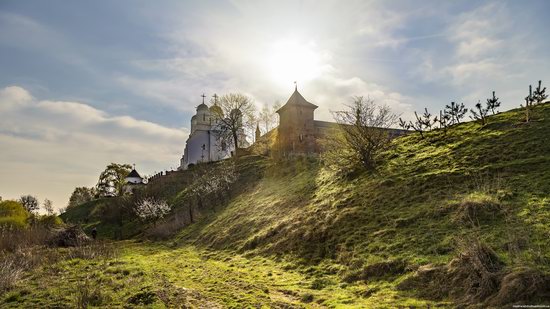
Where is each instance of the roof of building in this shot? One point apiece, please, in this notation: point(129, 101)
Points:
point(133, 173)
point(324, 124)
point(216, 110)
point(202, 106)
point(296, 99)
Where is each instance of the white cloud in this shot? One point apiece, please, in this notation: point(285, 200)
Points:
point(50, 147)
point(13, 97)
point(488, 46)
point(225, 53)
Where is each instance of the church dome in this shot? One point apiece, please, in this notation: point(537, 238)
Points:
point(202, 107)
point(216, 110)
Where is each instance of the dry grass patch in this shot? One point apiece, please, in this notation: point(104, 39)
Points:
point(476, 209)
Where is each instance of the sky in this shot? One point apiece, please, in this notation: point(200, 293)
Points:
point(86, 83)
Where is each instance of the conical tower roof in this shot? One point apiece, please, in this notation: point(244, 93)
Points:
point(296, 99)
point(133, 174)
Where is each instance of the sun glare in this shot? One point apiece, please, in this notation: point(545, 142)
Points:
point(290, 61)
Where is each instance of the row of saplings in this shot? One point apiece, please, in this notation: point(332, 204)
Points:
point(454, 113)
point(366, 128)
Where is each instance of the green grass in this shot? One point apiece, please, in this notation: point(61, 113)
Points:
point(405, 209)
point(291, 231)
point(195, 277)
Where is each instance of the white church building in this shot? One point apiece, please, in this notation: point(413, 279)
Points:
point(204, 143)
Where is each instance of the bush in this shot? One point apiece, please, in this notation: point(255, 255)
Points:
point(476, 209)
point(86, 296)
point(72, 236)
point(50, 221)
point(10, 273)
point(13, 239)
point(13, 215)
point(471, 277)
point(165, 229)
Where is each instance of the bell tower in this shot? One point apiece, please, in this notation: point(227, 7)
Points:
point(296, 132)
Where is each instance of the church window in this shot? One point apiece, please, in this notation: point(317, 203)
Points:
point(224, 146)
point(203, 117)
point(301, 137)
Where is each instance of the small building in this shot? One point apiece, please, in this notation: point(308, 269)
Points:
point(133, 182)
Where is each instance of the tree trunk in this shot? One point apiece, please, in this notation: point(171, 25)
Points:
point(236, 141)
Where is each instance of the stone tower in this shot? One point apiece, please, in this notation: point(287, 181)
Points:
point(296, 133)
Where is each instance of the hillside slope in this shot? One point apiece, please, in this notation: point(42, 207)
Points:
point(410, 207)
point(461, 216)
point(434, 198)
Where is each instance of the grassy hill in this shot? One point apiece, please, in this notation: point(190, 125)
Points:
point(460, 217)
point(413, 207)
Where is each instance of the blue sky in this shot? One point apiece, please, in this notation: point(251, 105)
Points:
point(85, 83)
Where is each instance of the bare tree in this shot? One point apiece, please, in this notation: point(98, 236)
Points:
point(268, 116)
point(30, 202)
point(48, 207)
point(211, 180)
point(236, 113)
point(364, 131)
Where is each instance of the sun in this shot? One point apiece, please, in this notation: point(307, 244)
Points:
point(291, 60)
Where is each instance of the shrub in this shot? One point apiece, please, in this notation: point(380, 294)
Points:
point(12, 239)
point(10, 273)
point(50, 221)
point(151, 209)
point(144, 297)
point(363, 134)
point(472, 277)
point(86, 296)
point(165, 228)
point(475, 209)
point(307, 298)
point(13, 215)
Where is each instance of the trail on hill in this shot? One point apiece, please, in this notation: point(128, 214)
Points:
point(153, 275)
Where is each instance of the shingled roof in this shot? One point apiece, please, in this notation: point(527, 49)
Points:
point(296, 99)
